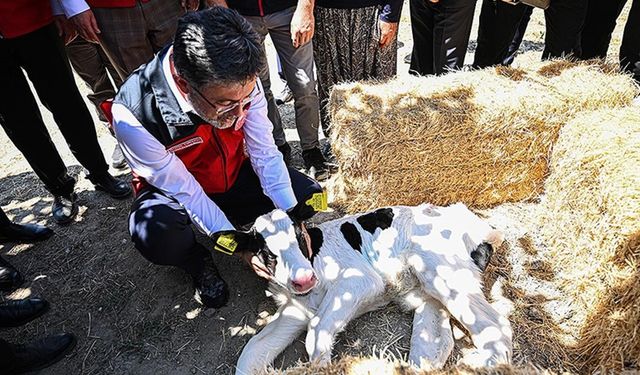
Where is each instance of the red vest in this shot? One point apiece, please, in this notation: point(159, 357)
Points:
point(113, 3)
point(20, 17)
point(213, 156)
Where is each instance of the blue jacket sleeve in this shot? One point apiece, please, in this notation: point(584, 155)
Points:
point(391, 10)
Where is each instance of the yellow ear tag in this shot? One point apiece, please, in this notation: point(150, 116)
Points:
point(318, 201)
point(226, 243)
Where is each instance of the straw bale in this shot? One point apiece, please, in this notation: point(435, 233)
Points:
point(375, 365)
point(480, 137)
point(590, 224)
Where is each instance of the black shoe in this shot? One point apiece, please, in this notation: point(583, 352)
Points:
point(407, 59)
point(10, 278)
point(41, 353)
point(64, 209)
point(24, 233)
point(117, 158)
point(17, 313)
point(332, 162)
point(315, 164)
point(211, 290)
point(285, 96)
point(115, 188)
point(285, 150)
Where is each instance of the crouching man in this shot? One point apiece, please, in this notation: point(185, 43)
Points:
point(192, 123)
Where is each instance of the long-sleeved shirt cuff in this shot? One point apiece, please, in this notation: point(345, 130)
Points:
point(391, 12)
point(73, 7)
point(284, 198)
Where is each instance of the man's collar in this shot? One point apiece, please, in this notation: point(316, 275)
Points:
point(172, 105)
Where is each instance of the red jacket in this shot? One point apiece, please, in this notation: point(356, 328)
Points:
point(20, 17)
point(113, 3)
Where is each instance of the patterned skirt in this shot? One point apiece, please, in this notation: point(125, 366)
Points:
point(346, 49)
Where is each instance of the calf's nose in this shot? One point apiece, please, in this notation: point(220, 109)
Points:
point(304, 283)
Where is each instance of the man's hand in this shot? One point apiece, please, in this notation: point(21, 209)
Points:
point(87, 26)
point(190, 5)
point(237, 242)
point(388, 31)
point(302, 25)
point(256, 265)
point(65, 29)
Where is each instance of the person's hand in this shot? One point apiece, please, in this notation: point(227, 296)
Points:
point(87, 26)
point(302, 26)
point(434, 1)
point(256, 265)
point(237, 242)
point(65, 29)
point(190, 5)
point(388, 31)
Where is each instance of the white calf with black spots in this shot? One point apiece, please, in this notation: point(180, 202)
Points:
point(426, 258)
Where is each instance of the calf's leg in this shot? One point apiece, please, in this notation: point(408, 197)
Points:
point(262, 349)
point(431, 337)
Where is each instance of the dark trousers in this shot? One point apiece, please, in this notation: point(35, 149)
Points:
point(599, 25)
point(161, 229)
point(41, 54)
point(4, 220)
point(518, 37)
point(93, 66)
point(440, 34)
point(499, 23)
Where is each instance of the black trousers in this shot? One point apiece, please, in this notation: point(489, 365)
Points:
point(4, 220)
point(440, 34)
point(41, 54)
point(499, 23)
point(161, 228)
point(599, 25)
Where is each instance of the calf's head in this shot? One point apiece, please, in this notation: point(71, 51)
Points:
point(288, 252)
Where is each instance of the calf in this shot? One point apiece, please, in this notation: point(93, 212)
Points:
point(427, 258)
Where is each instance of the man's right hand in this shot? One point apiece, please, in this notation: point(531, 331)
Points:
point(65, 29)
point(237, 242)
point(87, 26)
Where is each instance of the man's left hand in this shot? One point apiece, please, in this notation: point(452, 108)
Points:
point(65, 29)
point(388, 31)
point(302, 26)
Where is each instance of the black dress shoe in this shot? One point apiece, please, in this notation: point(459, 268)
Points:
point(10, 278)
point(17, 313)
point(40, 353)
point(64, 209)
point(115, 188)
point(210, 290)
point(24, 233)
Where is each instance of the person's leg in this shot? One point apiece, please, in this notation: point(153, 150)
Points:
point(260, 27)
point(297, 65)
point(564, 20)
point(162, 20)
point(422, 30)
point(630, 48)
point(56, 88)
point(499, 23)
point(452, 28)
point(86, 61)
point(599, 23)
point(22, 121)
point(517, 39)
point(124, 37)
point(161, 230)
point(245, 201)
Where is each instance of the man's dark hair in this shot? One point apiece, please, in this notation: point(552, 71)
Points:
point(218, 46)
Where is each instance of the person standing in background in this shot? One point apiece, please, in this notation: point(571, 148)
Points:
point(343, 55)
point(441, 30)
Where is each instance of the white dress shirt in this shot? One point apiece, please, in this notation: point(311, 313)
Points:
point(150, 160)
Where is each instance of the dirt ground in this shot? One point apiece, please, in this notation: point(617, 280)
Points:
point(132, 317)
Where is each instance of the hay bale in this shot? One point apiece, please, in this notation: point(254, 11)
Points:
point(480, 137)
point(590, 224)
point(382, 366)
